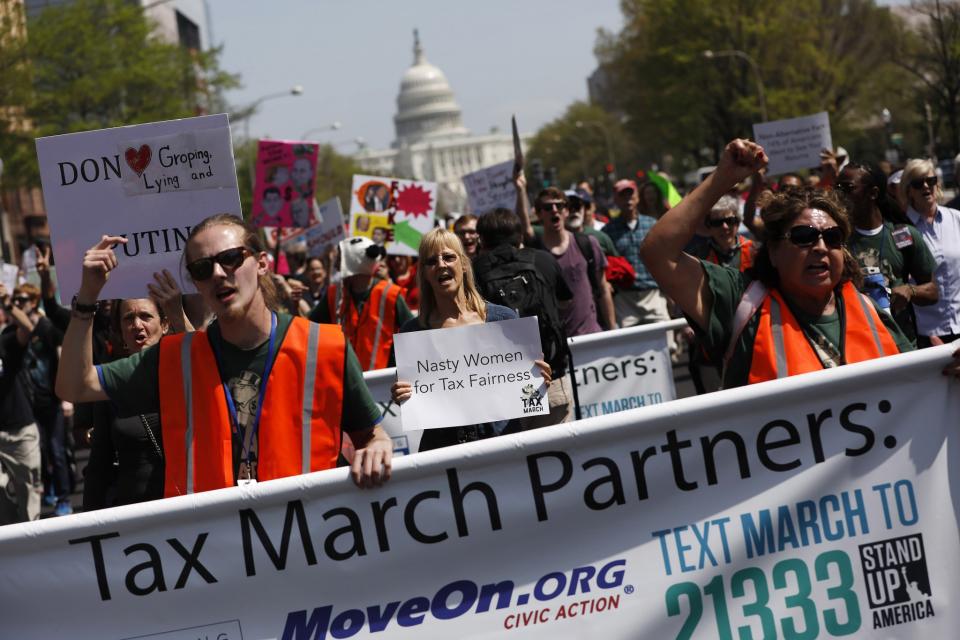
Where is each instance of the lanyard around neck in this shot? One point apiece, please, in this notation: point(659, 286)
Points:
point(231, 407)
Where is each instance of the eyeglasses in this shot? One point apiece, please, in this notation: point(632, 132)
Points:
point(468, 232)
point(21, 299)
point(805, 236)
point(930, 181)
point(229, 259)
point(445, 258)
point(550, 206)
point(716, 223)
point(846, 187)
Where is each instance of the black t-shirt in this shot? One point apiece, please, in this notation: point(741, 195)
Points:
point(15, 411)
point(41, 361)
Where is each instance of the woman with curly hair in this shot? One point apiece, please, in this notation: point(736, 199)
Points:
point(798, 309)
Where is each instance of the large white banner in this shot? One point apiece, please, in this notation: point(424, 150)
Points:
point(150, 183)
point(808, 507)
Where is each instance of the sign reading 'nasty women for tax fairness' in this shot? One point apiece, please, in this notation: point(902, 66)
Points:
point(148, 183)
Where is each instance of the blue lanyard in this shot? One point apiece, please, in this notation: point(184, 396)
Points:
point(231, 407)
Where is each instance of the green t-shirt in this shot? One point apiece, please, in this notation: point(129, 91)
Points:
point(321, 312)
point(897, 264)
point(727, 287)
point(133, 383)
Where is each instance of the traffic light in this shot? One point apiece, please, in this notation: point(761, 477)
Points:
point(536, 174)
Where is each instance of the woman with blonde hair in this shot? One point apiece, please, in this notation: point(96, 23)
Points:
point(940, 227)
point(449, 298)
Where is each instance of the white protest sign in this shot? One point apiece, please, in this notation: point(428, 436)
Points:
point(326, 233)
point(491, 187)
point(471, 375)
point(10, 274)
point(624, 368)
point(149, 183)
point(394, 213)
point(794, 144)
point(811, 507)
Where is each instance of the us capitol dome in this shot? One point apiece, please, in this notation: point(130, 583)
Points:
point(431, 142)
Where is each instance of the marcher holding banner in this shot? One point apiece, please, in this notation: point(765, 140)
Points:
point(802, 312)
point(450, 298)
point(211, 387)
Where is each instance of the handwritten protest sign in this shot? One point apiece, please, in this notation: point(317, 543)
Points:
point(491, 187)
point(149, 183)
point(795, 143)
point(283, 194)
point(473, 374)
point(9, 273)
point(391, 212)
point(326, 233)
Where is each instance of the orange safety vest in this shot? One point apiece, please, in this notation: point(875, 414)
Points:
point(372, 334)
point(781, 349)
point(299, 426)
point(746, 255)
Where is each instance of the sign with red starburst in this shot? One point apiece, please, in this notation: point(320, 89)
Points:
point(392, 212)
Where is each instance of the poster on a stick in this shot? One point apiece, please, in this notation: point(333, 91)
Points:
point(326, 233)
point(283, 193)
point(794, 144)
point(392, 212)
point(473, 374)
point(491, 187)
point(149, 183)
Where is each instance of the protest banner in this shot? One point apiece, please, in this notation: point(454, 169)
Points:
point(810, 507)
point(283, 194)
point(393, 213)
point(795, 143)
point(624, 368)
point(10, 275)
point(149, 183)
point(473, 374)
point(491, 187)
point(325, 234)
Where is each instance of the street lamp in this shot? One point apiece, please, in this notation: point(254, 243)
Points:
point(248, 112)
point(580, 124)
point(333, 126)
point(735, 53)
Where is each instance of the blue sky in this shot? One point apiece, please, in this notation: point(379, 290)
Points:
point(529, 57)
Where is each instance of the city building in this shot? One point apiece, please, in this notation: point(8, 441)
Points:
point(431, 142)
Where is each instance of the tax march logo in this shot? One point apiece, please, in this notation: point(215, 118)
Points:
point(898, 585)
point(531, 398)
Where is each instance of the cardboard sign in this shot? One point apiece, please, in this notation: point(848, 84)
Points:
point(283, 194)
point(491, 187)
point(9, 274)
point(324, 234)
point(794, 144)
point(391, 212)
point(149, 183)
point(470, 375)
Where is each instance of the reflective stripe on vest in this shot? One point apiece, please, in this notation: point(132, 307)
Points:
point(371, 335)
point(781, 348)
point(300, 422)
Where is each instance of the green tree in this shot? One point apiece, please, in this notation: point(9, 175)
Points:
point(99, 63)
point(15, 141)
point(580, 143)
point(811, 55)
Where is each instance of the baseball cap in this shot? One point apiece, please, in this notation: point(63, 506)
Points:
point(584, 196)
point(624, 184)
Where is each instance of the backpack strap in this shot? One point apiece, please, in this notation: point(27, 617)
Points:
point(586, 248)
point(750, 301)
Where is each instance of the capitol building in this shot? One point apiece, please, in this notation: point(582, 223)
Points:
point(431, 142)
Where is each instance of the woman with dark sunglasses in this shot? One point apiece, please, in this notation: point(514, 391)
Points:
point(797, 310)
point(940, 227)
point(726, 246)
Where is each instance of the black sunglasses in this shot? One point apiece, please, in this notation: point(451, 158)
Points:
point(806, 236)
point(716, 223)
point(550, 206)
point(229, 259)
point(930, 181)
point(21, 299)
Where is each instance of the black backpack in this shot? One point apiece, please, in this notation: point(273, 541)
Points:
point(508, 276)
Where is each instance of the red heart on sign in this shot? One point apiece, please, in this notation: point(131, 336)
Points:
point(138, 160)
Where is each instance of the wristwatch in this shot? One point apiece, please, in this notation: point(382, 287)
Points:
point(84, 308)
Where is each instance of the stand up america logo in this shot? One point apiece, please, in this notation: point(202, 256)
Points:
point(898, 585)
